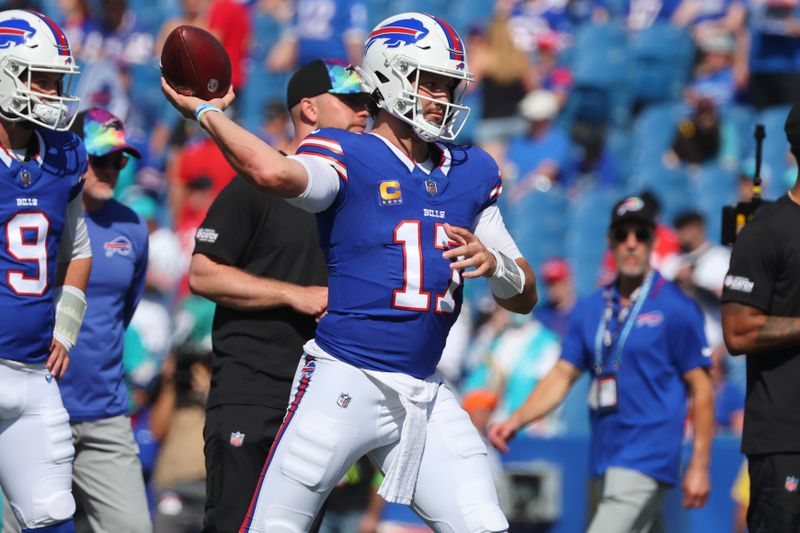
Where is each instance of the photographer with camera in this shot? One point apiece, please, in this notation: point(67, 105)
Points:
point(761, 318)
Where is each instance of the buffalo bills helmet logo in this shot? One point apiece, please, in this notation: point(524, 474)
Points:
point(15, 32)
point(399, 33)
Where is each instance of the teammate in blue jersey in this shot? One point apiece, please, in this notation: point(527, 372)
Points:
point(107, 474)
point(403, 215)
point(45, 259)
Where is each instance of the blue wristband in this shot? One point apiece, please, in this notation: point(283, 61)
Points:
point(204, 108)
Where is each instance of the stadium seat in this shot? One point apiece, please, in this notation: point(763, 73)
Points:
point(662, 57)
point(775, 149)
point(538, 224)
point(586, 237)
point(599, 66)
point(712, 188)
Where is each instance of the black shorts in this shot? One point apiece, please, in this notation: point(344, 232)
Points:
point(774, 493)
point(237, 440)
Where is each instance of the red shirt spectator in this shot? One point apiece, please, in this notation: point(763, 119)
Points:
point(230, 22)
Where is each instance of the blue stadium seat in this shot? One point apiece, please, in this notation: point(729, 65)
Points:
point(743, 120)
point(586, 238)
point(712, 188)
point(662, 57)
point(653, 132)
point(538, 224)
point(775, 148)
point(599, 66)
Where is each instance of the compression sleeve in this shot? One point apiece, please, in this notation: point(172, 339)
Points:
point(75, 236)
point(322, 188)
point(492, 232)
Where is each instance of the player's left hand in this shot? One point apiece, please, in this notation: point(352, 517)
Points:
point(696, 487)
point(58, 360)
point(474, 253)
point(187, 104)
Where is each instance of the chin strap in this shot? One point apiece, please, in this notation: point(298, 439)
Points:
point(508, 279)
point(70, 308)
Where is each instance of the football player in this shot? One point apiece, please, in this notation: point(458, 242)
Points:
point(45, 260)
point(403, 215)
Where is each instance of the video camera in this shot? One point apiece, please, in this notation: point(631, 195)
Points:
point(736, 217)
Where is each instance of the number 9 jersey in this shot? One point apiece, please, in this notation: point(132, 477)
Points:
point(33, 204)
point(392, 297)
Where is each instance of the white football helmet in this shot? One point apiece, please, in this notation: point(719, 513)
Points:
point(395, 53)
point(30, 42)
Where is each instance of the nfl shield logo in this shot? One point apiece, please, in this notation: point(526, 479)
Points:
point(791, 484)
point(344, 400)
point(237, 439)
point(430, 187)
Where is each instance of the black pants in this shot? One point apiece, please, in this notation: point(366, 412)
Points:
point(234, 461)
point(774, 493)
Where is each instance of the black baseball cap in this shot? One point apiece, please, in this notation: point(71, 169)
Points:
point(792, 128)
point(633, 208)
point(322, 76)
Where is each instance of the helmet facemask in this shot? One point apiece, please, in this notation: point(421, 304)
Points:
point(53, 111)
point(410, 105)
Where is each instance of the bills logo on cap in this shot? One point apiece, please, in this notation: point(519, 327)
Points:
point(237, 439)
point(120, 245)
point(634, 203)
point(398, 33)
point(791, 484)
point(15, 32)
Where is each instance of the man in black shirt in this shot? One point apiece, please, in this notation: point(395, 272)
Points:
point(761, 318)
point(258, 258)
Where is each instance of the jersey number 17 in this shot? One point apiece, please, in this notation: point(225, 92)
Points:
point(411, 297)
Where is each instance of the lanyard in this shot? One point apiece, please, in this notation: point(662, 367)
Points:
point(604, 337)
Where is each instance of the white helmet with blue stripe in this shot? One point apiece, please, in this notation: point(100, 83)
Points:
point(397, 51)
point(30, 42)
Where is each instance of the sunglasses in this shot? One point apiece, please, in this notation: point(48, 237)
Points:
point(620, 235)
point(117, 159)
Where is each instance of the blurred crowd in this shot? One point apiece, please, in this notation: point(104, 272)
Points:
point(581, 102)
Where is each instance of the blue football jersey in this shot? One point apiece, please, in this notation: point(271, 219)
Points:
point(33, 204)
point(392, 296)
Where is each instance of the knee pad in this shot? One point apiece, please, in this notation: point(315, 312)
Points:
point(477, 501)
point(317, 451)
point(59, 436)
point(49, 510)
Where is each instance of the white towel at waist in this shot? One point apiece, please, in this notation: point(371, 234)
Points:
point(415, 394)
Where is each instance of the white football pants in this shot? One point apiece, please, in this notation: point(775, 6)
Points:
point(35, 445)
point(336, 415)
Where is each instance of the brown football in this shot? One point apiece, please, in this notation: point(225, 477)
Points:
point(195, 63)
